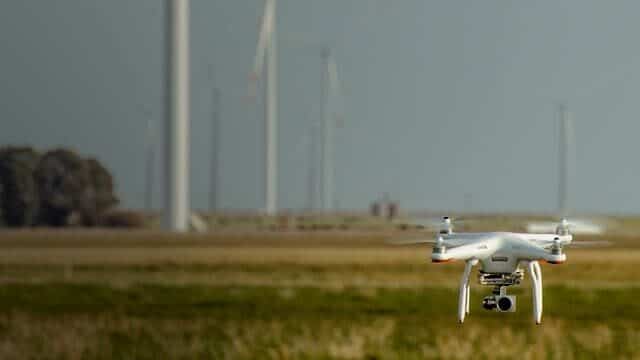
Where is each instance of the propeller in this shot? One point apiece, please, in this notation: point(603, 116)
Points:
point(563, 228)
point(594, 243)
point(580, 226)
point(445, 223)
point(438, 241)
point(559, 244)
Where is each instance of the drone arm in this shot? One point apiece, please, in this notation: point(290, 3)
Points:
point(528, 252)
point(468, 293)
point(463, 299)
point(472, 250)
point(536, 283)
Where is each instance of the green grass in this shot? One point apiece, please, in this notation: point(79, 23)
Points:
point(436, 303)
point(244, 322)
point(111, 295)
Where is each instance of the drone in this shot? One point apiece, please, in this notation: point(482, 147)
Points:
point(500, 255)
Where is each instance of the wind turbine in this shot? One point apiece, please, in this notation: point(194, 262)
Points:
point(312, 183)
point(215, 152)
point(565, 145)
point(177, 112)
point(330, 117)
point(150, 140)
point(566, 158)
point(267, 49)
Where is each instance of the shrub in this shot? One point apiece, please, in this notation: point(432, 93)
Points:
point(122, 219)
point(19, 196)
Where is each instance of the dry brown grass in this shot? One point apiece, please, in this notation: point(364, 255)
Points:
point(292, 259)
point(344, 265)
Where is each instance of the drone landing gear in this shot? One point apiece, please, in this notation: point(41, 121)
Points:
point(500, 301)
point(463, 298)
point(536, 283)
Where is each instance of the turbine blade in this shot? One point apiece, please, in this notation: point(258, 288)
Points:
point(264, 38)
point(335, 88)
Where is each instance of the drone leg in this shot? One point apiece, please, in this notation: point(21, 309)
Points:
point(539, 273)
point(463, 299)
point(468, 291)
point(536, 282)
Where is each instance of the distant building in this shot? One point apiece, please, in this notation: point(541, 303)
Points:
point(384, 208)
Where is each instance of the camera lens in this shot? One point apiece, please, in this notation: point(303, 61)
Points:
point(504, 304)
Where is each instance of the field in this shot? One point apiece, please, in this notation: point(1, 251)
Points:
point(294, 295)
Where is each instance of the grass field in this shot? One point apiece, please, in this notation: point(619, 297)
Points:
point(346, 295)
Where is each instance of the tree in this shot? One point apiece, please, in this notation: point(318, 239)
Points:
point(19, 197)
point(58, 188)
point(99, 197)
point(63, 181)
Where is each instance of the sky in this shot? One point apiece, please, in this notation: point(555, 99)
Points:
point(448, 105)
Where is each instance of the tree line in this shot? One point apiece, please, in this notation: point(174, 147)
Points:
point(55, 188)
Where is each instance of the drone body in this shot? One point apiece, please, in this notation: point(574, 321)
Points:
point(500, 255)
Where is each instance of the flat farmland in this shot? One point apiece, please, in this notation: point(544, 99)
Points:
point(292, 295)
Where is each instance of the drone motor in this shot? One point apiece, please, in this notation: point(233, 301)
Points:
point(439, 247)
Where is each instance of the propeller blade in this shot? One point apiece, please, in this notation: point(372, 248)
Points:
point(410, 241)
point(422, 224)
point(435, 223)
point(583, 244)
point(576, 226)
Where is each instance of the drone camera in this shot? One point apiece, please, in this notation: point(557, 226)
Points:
point(506, 303)
point(500, 303)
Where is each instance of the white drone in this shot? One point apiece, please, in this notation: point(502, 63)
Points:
point(500, 255)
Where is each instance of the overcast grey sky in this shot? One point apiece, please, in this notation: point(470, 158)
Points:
point(442, 98)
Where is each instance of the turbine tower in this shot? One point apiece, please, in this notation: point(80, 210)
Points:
point(215, 152)
point(267, 48)
point(150, 165)
point(330, 117)
point(565, 146)
point(566, 176)
point(312, 183)
point(176, 210)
